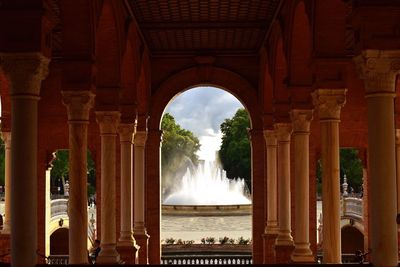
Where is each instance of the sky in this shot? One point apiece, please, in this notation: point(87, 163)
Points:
point(202, 110)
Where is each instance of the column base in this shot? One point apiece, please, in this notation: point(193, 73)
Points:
point(129, 253)
point(302, 253)
point(108, 255)
point(269, 248)
point(142, 240)
point(272, 229)
point(284, 239)
point(283, 253)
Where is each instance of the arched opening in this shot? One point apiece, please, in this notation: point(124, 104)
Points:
point(352, 240)
point(205, 147)
point(174, 85)
point(59, 242)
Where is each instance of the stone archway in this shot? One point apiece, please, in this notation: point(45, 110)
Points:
point(352, 239)
point(244, 92)
point(59, 242)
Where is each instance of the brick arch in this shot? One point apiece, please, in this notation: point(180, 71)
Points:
point(143, 86)
point(108, 48)
point(59, 242)
point(127, 96)
point(267, 89)
point(175, 84)
point(278, 63)
point(299, 45)
point(352, 239)
point(205, 75)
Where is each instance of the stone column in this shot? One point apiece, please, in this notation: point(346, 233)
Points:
point(126, 243)
point(301, 131)
point(78, 105)
point(398, 168)
point(271, 229)
point(108, 122)
point(379, 68)
point(284, 241)
point(139, 227)
point(329, 102)
point(7, 183)
point(25, 71)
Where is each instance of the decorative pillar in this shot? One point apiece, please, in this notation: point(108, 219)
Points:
point(398, 169)
point(126, 243)
point(284, 240)
point(78, 105)
point(108, 122)
point(139, 227)
point(378, 69)
point(301, 131)
point(271, 229)
point(153, 207)
point(25, 71)
point(7, 182)
point(329, 103)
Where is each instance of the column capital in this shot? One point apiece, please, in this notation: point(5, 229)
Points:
point(378, 69)
point(270, 138)
point(126, 131)
point(108, 121)
point(140, 138)
point(78, 105)
point(25, 72)
point(329, 103)
point(283, 131)
point(301, 120)
point(397, 135)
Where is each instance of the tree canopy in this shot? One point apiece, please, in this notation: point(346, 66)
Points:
point(60, 169)
point(178, 151)
point(235, 152)
point(350, 164)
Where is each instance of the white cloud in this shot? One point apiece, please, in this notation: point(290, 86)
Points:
point(202, 110)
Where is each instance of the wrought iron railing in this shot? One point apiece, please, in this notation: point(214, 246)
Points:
point(57, 259)
point(206, 259)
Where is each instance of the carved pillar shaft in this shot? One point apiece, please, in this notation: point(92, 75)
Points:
point(301, 130)
point(271, 227)
point(139, 227)
point(398, 168)
point(7, 182)
point(272, 215)
point(78, 105)
point(108, 122)
point(328, 103)
point(126, 132)
point(25, 71)
point(379, 69)
point(283, 132)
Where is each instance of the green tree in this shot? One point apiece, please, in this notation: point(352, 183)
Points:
point(178, 151)
point(60, 169)
point(351, 165)
point(235, 149)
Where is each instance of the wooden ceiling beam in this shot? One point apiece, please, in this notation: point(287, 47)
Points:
point(204, 25)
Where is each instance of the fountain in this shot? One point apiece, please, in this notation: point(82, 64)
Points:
point(206, 191)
